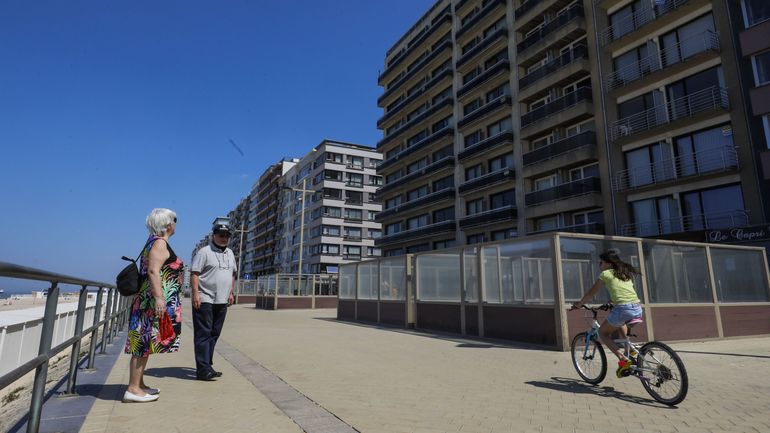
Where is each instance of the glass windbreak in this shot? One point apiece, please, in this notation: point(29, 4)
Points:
point(580, 266)
point(471, 274)
point(519, 272)
point(740, 275)
point(348, 281)
point(393, 279)
point(368, 280)
point(677, 273)
point(438, 277)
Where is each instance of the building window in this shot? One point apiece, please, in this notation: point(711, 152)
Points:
point(476, 239)
point(334, 157)
point(356, 162)
point(375, 233)
point(679, 45)
point(441, 124)
point(373, 251)
point(332, 193)
point(372, 215)
point(473, 172)
point(446, 214)
point(417, 165)
point(656, 216)
point(353, 232)
point(417, 222)
point(416, 138)
point(501, 235)
point(355, 180)
point(333, 212)
point(474, 206)
point(472, 138)
point(755, 11)
point(705, 151)
point(547, 223)
point(497, 92)
point(497, 58)
point(714, 208)
point(330, 230)
point(545, 182)
point(375, 180)
point(766, 124)
point(333, 175)
point(444, 183)
point(351, 251)
point(448, 243)
point(353, 214)
point(417, 248)
point(586, 171)
point(502, 199)
point(417, 193)
point(501, 126)
point(330, 249)
point(649, 164)
point(393, 202)
point(588, 217)
point(501, 162)
point(392, 229)
point(761, 64)
point(622, 21)
point(629, 67)
point(443, 153)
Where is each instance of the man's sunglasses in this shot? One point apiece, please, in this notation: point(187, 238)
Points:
point(225, 234)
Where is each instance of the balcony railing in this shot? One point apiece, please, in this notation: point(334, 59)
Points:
point(695, 164)
point(446, 131)
point(579, 52)
point(487, 180)
point(483, 44)
point(416, 43)
point(485, 144)
point(590, 228)
point(486, 7)
point(566, 190)
point(526, 7)
point(485, 109)
point(430, 57)
point(687, 223)
point(557, 105)
point(696, 44)
point(498, 214)
point(430, 229)
point(426, 199)
point(712, 98)
point(586, 138)
point(448, 161)
point(446, 72)
point(446, 102)
point(484, 76)
point(636, 20)
point(560, 21)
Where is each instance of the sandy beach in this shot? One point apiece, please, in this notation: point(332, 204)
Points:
point(25, 302)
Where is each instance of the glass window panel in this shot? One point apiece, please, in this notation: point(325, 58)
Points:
point(471, 274)
point(438, 277)
point(491, 267)
point(676, 273)
point(740, 275)
point(645, 217)
point(526, 272)
point(639, 167)
point(393, 279)
point(347, 281)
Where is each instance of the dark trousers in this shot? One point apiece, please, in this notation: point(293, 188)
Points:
point(207, 325)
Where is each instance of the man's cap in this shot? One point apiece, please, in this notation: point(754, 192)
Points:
point(221, 228)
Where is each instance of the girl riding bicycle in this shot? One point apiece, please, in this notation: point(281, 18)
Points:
point(617, 276)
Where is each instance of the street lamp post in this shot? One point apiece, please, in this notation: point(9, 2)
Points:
point(239, 262)
point(301, 224)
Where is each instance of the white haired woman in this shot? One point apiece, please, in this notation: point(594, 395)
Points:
point(159, 293)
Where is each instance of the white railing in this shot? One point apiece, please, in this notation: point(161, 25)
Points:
point(629, 23)
point(711, 98)
point(706, 221)
point(695, 44)
point(697, 163)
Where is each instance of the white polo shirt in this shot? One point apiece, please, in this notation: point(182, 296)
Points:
point(216, 269)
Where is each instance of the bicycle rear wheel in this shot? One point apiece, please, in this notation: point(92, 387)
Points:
point(662, 372)
point(590, 362)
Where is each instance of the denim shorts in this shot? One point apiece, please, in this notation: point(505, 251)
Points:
point(622, 313)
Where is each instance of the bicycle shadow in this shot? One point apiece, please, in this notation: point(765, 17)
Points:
point(575, 386)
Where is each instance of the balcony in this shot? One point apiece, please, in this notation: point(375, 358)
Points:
point(669, 170)
point(482, 45)
point(589, 228)
point(709, 99)
point(525, 7)
point(446, 72)
point(485, 109)
point(352, 256)
point(429, 169)
point(446, 102)
point(587, 138)
point(637, 20)
point(708, 221)
point(504, 213)
point(406, 235)
point(566, 190)
point(682, 51)
point(436, 136)
point(560, 21)
point(416, 43)
point(487, 6)
point(503, 65)
point(485, 144)
point(487, 180)
point(444, 194)
point(560, 104)
point(579, 52)
point(443, 46)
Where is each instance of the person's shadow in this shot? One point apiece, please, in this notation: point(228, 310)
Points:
point(187, 373)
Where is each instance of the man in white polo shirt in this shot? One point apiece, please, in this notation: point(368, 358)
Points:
point(212, 280)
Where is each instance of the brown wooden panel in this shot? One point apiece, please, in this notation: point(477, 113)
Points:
point(367, 311)
point(264, 302)
point(745, 320)
point(346, 309)
point(684, 323)
point(293, 303)
point(472, 319)
point(438, 317)
point(531, 325)
point(247, 299)
point(393, 313)
point(326, 302)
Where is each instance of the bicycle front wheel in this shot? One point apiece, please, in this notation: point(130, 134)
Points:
point(662, 373)
point(589, 359)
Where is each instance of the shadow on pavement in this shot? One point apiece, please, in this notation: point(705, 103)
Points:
point(575, 386)
point(695, 352)
point(110, 391)
point(175, 372)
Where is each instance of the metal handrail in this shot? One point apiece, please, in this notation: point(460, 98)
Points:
point(706, 40)
point(636, 20)
point(704, 161)
point(711, 98)
point(114, 320)
point(713, 220)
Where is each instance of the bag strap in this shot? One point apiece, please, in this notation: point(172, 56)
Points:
point(129, 259)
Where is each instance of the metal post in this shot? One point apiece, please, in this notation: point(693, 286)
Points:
point(95, 332)
point(240, 257)
point(75, 356)
point(41, 372)
point(114, 323)
point(103, 350)
point(302, 228)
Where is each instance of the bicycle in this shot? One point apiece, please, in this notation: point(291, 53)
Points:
point(655, 364)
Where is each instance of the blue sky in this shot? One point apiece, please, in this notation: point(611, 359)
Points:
point(109, 109)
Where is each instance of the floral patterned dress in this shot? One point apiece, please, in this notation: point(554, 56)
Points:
point(143, 334)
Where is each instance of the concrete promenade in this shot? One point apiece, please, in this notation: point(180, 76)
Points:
point(285, 371)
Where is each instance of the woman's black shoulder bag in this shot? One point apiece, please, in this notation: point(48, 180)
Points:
point(129, 280)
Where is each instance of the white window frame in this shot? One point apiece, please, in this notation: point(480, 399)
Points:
point(581, 170)
point(578, 127)
point(549, 139)
point(550, 178)
point(757, 83)
point(542, 101)
point(573, 44)
point(584, 214)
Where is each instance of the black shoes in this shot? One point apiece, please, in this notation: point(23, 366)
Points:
point(218, 373)
point(207, 376)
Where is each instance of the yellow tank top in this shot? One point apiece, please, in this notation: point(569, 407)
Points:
point(621, 292)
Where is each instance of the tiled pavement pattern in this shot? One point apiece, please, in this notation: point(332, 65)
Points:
point(389, 380)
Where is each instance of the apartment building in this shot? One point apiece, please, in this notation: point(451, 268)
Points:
point(507, 118)
point(334, 187)
point(263, 227)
